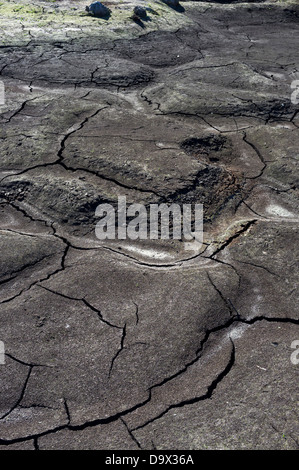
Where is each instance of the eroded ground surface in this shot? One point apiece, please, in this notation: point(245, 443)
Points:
point(122, 345)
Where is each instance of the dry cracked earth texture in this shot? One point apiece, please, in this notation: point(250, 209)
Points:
point(121, 344)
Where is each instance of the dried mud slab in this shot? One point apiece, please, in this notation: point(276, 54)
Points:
point(143, 344)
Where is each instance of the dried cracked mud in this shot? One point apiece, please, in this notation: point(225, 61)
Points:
point(120, 344)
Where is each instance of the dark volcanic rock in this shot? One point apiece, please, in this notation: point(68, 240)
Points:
point(140, 12)
point(172, 3)
point(98, 10)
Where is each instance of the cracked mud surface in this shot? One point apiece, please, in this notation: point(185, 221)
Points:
point(129, 345)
